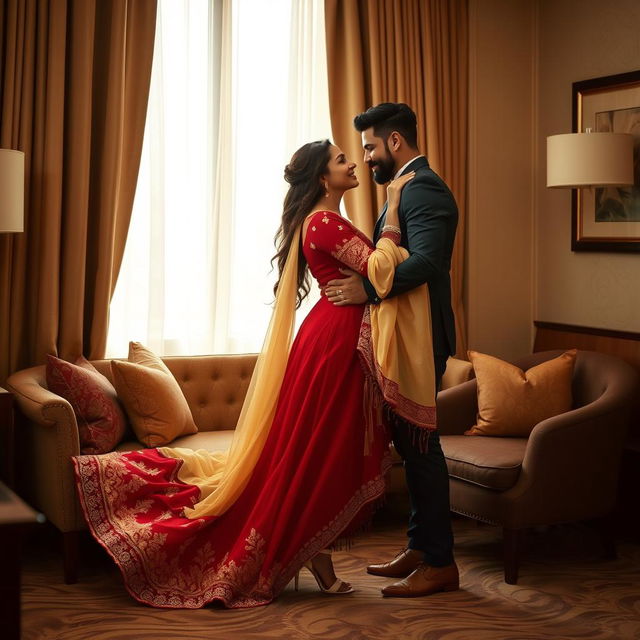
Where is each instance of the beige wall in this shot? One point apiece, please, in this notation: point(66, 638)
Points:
point(524, 57)
point(578, 40)
point(500, 251)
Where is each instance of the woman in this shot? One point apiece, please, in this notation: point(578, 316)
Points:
point(187, 528)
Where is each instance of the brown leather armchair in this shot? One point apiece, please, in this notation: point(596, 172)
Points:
point(567, 470)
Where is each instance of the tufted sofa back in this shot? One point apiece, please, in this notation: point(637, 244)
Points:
point(214, 386)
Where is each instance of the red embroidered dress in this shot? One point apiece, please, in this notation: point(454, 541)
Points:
point(312, 484)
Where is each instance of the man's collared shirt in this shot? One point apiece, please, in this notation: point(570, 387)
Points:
point(406, 165)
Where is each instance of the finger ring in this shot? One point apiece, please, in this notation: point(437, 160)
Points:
point(339, 292)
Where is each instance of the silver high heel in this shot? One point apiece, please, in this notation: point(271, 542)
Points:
point(333, 590)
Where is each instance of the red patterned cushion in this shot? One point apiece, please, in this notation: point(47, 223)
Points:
point(101, 421)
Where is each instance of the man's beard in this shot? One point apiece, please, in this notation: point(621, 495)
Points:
point(383, 170)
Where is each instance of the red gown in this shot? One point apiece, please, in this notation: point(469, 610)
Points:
point(312, 484)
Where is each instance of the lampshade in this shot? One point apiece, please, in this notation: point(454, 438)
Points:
point(589, 159)
point(11, 191)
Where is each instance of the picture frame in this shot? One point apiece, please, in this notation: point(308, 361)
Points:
point(607, 218)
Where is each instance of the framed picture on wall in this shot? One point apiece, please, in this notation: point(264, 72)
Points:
point(608, 218)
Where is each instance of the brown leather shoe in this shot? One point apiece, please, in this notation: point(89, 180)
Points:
point(424, 581)
point(400, 567)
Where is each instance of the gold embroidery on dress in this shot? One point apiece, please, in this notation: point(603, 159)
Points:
point(244, 576)
point(353, 252)
point(368, 492)
point(313, 228)
point(325, 219)
point(313, 246)
point(144, 468)
point(192, 575)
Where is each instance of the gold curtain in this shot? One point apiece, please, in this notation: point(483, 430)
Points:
point(412, 51)
point(74, 83)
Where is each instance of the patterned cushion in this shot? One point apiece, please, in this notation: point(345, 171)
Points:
point(151, 397)
point(101, 421)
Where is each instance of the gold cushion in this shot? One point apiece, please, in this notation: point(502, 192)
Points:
point(139, 354)
point(457, 372)
point(152, 398)
point(511, 402)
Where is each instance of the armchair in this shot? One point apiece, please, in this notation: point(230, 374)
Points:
point(567, 470)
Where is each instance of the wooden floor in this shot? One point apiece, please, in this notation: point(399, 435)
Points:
point(566, 591)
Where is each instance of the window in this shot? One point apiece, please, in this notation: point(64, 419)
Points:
point(237, 86)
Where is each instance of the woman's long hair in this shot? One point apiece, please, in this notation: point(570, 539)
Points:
point(303, 173)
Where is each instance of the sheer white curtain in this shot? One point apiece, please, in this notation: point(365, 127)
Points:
point(237, 86)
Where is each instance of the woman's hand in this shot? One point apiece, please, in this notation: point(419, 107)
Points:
point(395, 189)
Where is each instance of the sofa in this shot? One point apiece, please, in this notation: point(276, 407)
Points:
point(214, 387)
point(47, 433)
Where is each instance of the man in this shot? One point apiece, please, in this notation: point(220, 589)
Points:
point(428, 220)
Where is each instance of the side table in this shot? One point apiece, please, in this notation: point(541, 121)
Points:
point(16, 518)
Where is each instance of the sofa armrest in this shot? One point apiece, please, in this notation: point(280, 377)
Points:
point(566, 441)
point(45, 443)
point(562, 464)
point(457, 408)
point(36, 402)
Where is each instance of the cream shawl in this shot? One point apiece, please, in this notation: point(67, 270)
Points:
point(400, 354)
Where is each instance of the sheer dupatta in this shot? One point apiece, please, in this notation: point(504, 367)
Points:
point(222, 476)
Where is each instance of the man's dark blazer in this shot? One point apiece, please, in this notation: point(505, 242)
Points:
point(428, 220)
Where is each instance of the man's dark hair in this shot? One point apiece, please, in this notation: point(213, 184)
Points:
point(388, 117)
